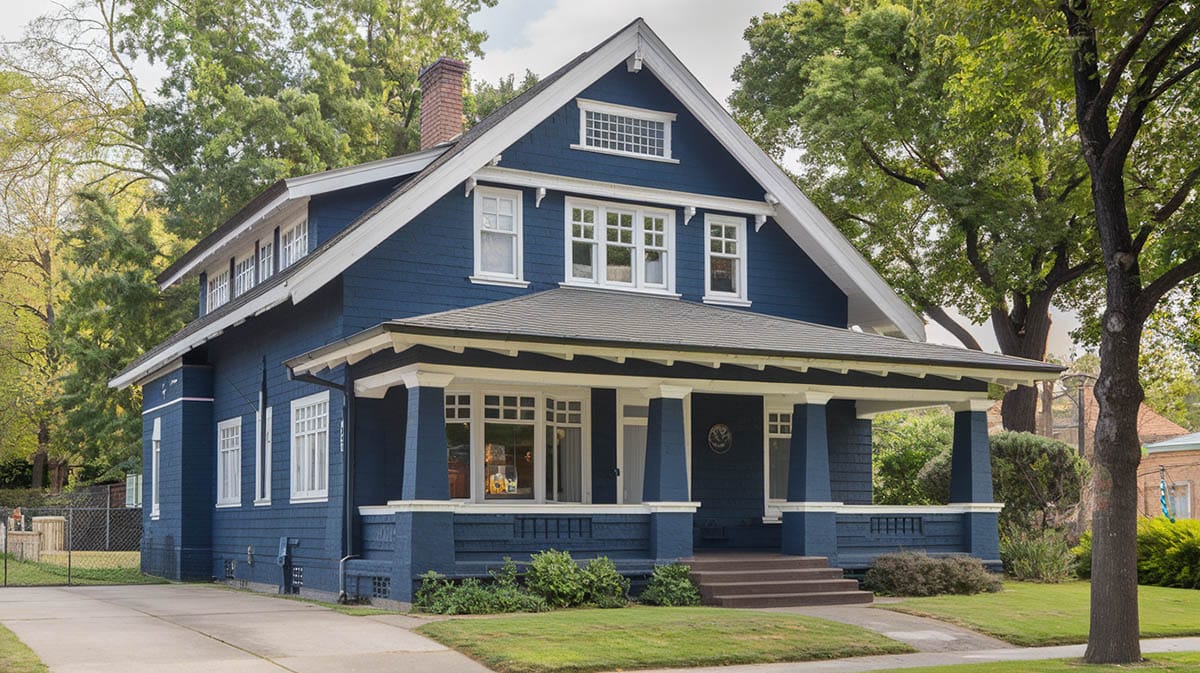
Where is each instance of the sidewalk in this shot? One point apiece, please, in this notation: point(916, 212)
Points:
point(859, 664)
point(920, 633)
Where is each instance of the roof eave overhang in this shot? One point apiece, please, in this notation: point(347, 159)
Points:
point(399, 337)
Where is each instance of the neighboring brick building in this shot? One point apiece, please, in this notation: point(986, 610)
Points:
point(1179, 460)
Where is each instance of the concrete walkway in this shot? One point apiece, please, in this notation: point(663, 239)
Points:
point(204, 629)
point(887, 662)
point(921, 633)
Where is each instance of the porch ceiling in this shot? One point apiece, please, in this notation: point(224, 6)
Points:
point(569, 322)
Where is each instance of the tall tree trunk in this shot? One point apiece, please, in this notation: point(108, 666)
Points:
point(1024, 332)
point(1113, 637)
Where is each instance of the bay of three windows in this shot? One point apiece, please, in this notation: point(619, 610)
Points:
point(610, 245)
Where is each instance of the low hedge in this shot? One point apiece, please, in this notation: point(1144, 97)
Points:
point(1168, 553)
point(916, 574)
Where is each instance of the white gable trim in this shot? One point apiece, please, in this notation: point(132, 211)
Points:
point(873, 305)
point(296, 195)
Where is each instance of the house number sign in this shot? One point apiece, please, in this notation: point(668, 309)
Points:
point(720, 438)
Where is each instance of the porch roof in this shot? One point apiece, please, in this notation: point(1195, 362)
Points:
point(565, 322)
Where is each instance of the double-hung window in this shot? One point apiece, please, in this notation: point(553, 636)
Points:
point(627, 131)
point(243, 275)
point(725, 260)
point(1179, 500)
point(498, 236)
point(614, 245)
point(155, 467)
point(266, 260)
point(293, 244)
point(778, 448)
point(218, 290)
point(310, 448)
point(229, 462)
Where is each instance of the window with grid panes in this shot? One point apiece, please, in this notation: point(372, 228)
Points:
point(310, 448)
point(509, 422)
point(612, 245)
point(458, 444)
point(725, 257)
point(779, 446)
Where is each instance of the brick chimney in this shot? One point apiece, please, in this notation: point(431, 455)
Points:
point(441, 101)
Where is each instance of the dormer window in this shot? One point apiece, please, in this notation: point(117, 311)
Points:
point(624, 130)
point(218, 290)
point(243, 276)
point(293, 244)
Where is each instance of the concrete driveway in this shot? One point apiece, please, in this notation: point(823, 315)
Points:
point(205, 629)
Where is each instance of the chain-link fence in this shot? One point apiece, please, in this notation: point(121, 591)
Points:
point(86, 537)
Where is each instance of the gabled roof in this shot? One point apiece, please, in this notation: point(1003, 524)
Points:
point(577, 320)
point(283, 194)
point(872, 304)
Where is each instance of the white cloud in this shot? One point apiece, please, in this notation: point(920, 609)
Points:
point(705, 34)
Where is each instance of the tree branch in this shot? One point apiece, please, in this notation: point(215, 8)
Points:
point(1116, 68)
point(1149, 296)
point(878, 161)
point(939, 315)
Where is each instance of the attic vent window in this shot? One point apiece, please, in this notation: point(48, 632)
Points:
point(624, 130)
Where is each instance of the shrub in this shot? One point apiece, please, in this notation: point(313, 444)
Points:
point(915, 574)
point(439, 595)
point(557, 578)
point(606, 588)
point(1036, 556)
point(1038, 479)
point(671, 586)
point(1168, 553)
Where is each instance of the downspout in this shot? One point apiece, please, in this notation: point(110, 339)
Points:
point(347, 390)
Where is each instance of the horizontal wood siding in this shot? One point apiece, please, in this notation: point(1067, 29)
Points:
point(378, 537)
point(862, 537)
point(330, 213)
point(316, 528)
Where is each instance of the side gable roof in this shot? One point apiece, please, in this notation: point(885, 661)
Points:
point(872, 304)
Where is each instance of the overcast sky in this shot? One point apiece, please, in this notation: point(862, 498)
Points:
point(541, 35)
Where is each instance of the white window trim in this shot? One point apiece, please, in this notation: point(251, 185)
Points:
point(667, 118)
point(266, 259)
point(1187, 497)
point(477, 392)
point(262, 459)
point(600, 259)
point(741, 297)
point(320, 495)
point(156, 467)
point(235, 422)
point(219, 290)
point(248, 267)
point(771, 506)
point(517, 279)
point(295, 250)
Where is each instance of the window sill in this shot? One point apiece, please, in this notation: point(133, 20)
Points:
point(504, 282)
point(619, 288)
point(154, 516)
point(262, 503)
point(726, 301)
point(628, 155)
point(228, 505)
point(304, 499)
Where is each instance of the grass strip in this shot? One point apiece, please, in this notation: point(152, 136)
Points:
point(585, 640)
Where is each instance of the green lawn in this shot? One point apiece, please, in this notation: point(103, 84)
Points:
point(86, 568)
point(1177, 662)
point(15, 657)
point(1055, 614)
point(643, 637)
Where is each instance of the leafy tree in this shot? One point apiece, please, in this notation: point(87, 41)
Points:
point(260, 90)
point(1169, 364)
point(980, 210)
point(487, 97)
point(113, 312)
point(902, 444)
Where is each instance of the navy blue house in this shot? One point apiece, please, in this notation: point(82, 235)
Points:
point(599, 320)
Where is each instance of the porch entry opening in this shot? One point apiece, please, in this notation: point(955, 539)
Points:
point(634, 417)
point(517, 445)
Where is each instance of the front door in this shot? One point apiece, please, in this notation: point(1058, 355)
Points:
point(727, 473)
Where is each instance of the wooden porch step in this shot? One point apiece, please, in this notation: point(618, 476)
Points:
point(722, 589)
point(786, 600)
point(755, 562)
point(760, 580)
point(766, 576)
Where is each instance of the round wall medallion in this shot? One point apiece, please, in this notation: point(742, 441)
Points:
point(720, 438)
